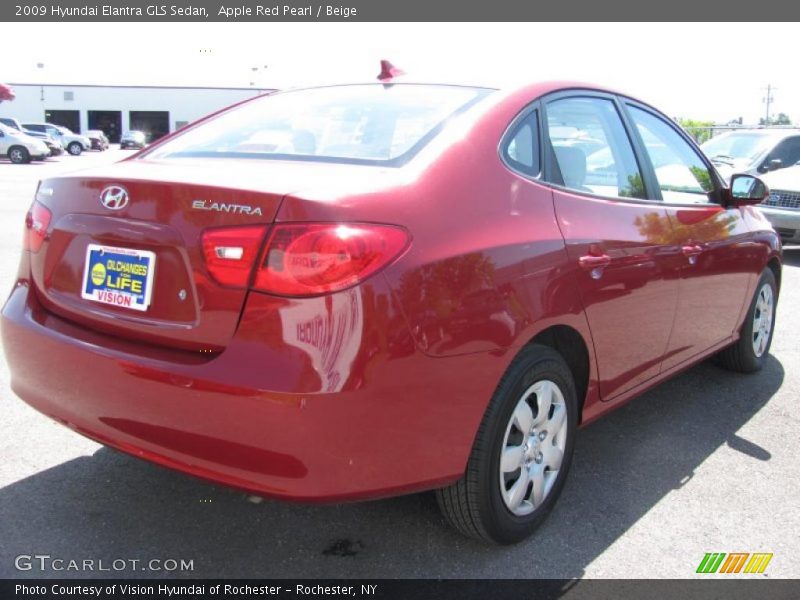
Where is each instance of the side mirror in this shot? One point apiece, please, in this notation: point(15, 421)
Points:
point(775, 164)
point(746, 189)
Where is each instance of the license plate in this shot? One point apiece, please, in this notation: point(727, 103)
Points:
point(118, 276)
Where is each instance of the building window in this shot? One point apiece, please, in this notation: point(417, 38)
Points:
point(69, 96)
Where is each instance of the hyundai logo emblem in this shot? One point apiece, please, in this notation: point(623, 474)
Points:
point(114, 197)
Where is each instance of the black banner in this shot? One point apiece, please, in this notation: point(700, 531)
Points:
point(389, 589)
point(392, 10)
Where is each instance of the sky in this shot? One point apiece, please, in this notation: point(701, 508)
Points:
point(705, 71)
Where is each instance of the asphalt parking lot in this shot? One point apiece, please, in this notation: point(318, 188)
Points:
point(706, 462)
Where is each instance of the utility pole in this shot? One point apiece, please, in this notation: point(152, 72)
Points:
point(768, 99)
point(40, 66)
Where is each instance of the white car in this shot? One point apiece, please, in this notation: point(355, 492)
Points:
point(21, 148)
point(782, 208)
point(72, 142)
point(753, 151)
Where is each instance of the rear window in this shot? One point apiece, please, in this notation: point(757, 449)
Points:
point(372, 123)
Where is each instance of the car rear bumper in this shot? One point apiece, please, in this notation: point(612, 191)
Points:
point(264, 415)
point(785, 221)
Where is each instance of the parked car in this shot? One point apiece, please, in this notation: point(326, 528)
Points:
point(11, 122)
point(782, 208)
point(300, 316)
point(133, 139)
point(71, 142)
point(53, 146)
point(753, 151)
point(98, 139)
point(20, 148)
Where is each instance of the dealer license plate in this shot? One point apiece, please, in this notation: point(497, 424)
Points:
point(118, 276)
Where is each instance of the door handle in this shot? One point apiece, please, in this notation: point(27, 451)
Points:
point(592, 261)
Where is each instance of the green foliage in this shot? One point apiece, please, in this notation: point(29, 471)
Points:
point(699, 130)
point(781, 119)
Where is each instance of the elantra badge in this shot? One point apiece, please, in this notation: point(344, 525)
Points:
point(114, 197)
point(237, 209)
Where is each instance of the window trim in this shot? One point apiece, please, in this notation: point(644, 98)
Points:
point(621, 102)
point(550, 166)
point(511, 130)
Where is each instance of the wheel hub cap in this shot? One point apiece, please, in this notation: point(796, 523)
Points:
point(762, 319)
point(533, 447)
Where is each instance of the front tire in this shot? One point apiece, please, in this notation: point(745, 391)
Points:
point(19, 155)
point(749, 353)
point(521, 455)
point(75, 149)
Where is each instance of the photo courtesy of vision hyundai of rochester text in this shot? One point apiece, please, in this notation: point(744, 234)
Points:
point(367, 290)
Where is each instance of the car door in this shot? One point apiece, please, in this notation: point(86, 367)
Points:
point(617, 239)
point(719, 258)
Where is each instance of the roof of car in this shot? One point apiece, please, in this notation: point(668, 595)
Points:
point(771, 131)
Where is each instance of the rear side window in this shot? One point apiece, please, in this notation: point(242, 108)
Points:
point(521, 150)
point(592, 151)
point(682, 175)
point(371, 123)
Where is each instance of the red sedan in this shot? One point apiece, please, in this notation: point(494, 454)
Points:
point(367, 290)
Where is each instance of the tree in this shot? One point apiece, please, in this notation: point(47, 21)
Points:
point(781, 119)
point(699, 130)
point(6, 93)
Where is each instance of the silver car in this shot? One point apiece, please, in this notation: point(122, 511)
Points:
point(133, 139)
point(72, 142)
point(21, 148)
point(782, 208)
point(753, 151)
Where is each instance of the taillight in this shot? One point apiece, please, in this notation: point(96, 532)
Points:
point(36, 223)
point(231, 252)
point(309, 259)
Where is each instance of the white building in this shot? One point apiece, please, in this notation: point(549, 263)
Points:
point(115, 109)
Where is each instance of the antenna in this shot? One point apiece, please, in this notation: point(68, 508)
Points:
point(389, 71)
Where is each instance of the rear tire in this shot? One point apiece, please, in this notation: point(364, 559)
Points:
point(19, 155)
point(749, 353)
point(530, 424)
point(75, 149)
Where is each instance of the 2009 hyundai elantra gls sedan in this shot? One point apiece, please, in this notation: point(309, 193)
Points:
point(367, 290)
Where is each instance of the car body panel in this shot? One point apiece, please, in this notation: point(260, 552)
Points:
point(637, 291)
point(377, 389)
point(717, 283)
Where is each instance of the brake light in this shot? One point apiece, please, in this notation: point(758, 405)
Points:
point(36, 223)
point(231, 252)
point(309, 259)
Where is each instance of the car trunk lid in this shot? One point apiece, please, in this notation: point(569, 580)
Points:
point(154, 239)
